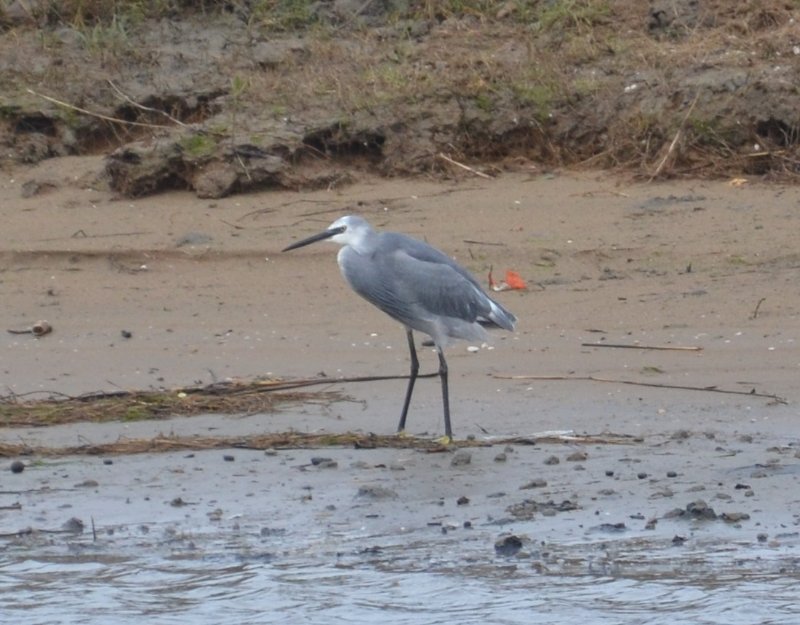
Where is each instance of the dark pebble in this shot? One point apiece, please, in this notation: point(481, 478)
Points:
point(460, 458)
point(734, 517)
point(126, 334)
point(742, 487)
point(701, 510)
point(678, 540)
point(17, 466)
point(552, 460)
point(108, 461)
point(228, 458)
point(467, 525)
point(612, 528)
point(537, 483)
point(508, 545)
point(462, 501)
point(376, 492)
point(641, 475)
point(609, 474)
point(672, 474)
point(73, 525)
point(324, 463)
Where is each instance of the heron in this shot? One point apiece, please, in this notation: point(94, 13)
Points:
point(419, 286)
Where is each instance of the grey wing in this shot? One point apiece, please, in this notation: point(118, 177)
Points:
point(449, 286)
point(410, 289)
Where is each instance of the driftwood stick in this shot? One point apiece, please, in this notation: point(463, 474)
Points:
point(675, 140)
point(142, 107)
point(681, 348)
point(444, 157)
point(106, 118)
point(758, 305)
point(681, 387)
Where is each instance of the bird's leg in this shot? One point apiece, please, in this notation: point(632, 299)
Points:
point(411, 379)
point(448, 431)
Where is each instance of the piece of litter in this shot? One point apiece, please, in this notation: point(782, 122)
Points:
point(512, 282)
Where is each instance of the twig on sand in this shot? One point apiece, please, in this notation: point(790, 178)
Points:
point(114, 120)
point(593, 378)
point(444, 157)
point(758, 305)
point(675, 140)
point(149, 109)
point(680, 348)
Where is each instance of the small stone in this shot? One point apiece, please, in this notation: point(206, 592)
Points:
point(672, 474)
point(552, 460)
point(701, 510)
point(609, 474)
point(537, 483)
point(228, 458)
point(577, 456)
point(641, 475)
point(73, 525)
point(734, 517)
point(107, 461)
point(762, 537)
point(678, 540)
point(87, 484)
point(612, 528)
point(376, 492)
point(501, 457)
point(508, 545)
point(17, 466)
point(460, 458)
point(324, 463)
point(126, 334)
point(462, 501)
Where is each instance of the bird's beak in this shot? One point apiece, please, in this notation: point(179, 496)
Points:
point(326, 234)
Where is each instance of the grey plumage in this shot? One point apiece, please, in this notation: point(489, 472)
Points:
point(416, 284)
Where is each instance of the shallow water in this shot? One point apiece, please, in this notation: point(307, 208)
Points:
point(254, 578)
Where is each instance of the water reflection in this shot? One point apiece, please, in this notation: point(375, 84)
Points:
point(630, 584)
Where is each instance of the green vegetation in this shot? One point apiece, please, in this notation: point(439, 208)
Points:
point(198, 145)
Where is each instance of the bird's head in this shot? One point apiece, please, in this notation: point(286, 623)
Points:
point(347, 230)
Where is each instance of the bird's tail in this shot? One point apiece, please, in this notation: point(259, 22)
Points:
point(500, 317)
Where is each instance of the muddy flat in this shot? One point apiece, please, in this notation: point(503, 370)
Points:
point(647, 401)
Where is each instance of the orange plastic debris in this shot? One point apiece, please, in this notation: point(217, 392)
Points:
point(514, 280)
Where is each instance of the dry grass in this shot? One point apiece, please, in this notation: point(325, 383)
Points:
point(224, 398)
point(294, 440)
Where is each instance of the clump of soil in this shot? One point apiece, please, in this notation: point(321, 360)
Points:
point(242, 96)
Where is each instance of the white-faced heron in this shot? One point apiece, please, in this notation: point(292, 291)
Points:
point(419, 286)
